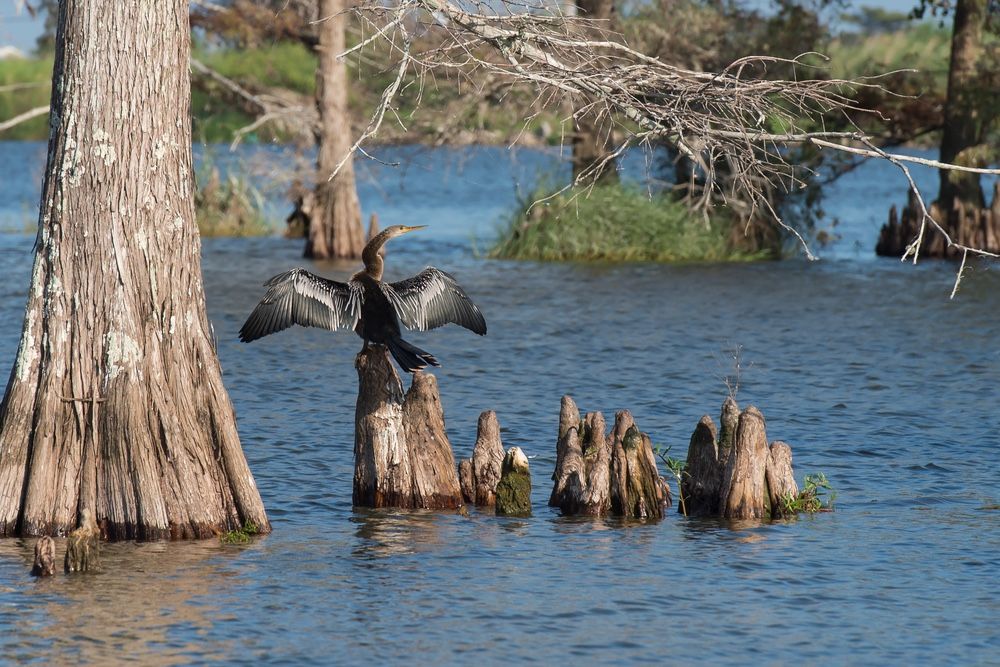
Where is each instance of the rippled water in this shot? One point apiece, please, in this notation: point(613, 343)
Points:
point(862, 364)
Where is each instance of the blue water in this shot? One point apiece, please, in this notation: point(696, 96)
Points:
point(862, 364)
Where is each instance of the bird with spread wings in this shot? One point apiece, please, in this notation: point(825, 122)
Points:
point(366, 304)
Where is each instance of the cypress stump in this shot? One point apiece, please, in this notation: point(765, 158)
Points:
point(600, 474)
point(750, 481)
point(480, 474)
point(513, 491)
point(402, 456)
point(967, 224)
point(45, 557)
point(743, 494)
point(700, 484)
point(83, 548)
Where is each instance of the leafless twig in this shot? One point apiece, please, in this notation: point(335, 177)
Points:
point(27, 115)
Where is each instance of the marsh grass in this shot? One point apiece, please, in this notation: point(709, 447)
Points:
point(614, 223)
point(229, 207)
point(922, 46)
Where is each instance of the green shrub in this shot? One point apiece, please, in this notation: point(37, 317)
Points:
point(615, 223)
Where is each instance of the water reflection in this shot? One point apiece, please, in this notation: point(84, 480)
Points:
point(148, 603)
point(384, 533)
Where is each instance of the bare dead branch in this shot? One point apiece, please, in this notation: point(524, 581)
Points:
point(297, 118)
point(27, 115)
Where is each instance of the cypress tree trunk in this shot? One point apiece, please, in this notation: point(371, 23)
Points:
point(115, 403)
point(591, 132)
point(963, 121)
point(335, 228)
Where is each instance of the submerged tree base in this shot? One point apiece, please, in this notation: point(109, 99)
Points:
point(623, 223)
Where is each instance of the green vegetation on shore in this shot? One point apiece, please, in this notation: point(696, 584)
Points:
point(616, 223)
point(25, 84)
point(921, 46)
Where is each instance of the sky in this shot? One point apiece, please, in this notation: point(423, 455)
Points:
point(21, 31)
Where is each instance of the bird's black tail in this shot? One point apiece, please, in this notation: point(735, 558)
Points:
point(410, 357)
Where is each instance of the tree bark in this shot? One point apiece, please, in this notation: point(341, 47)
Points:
point(592, 131)
point(964, 123)
point(637, 490)
point(402, 457)
point(780, 478)
point(435, 481)
point(481, 474)
point(116, 402)
point(703, 475)
point(743, 495)
point(335, 228)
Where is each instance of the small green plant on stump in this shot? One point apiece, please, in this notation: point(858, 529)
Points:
point(240, 535)
point(817, 495)
point(677, 469)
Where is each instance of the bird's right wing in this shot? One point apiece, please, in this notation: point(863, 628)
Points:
point(431, 299)
point(300, 297)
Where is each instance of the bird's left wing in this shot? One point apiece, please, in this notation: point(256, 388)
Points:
point(432, 299)
point(300, 297)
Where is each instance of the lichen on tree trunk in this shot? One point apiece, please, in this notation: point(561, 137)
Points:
point(115, 402)
point(335, 228)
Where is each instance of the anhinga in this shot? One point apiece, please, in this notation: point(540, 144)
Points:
point(371, 307)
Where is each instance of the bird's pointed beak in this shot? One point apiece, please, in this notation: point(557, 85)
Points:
point(412, 229)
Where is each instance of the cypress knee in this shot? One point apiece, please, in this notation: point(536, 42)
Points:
point(382, 474)
point(637, 490)
point(487, 459)
point(703, 474)
point(83, 548)
point(727, 430)
point(45, 557)
point(402, 457)
point(743, 494)
point(513, 492)
point(780, 478)
point(435, 482)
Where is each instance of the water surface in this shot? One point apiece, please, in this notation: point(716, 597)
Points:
point(862, 364)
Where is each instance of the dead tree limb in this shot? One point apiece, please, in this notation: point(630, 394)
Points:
point(21, 118)
point(704, 116)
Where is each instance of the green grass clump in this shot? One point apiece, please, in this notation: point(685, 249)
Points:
point(240, 535)
point(817, 495)
point(32, 78)
point(615, 223)
point(230, 207)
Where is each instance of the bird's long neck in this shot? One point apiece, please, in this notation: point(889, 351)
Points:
point(371, 258)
